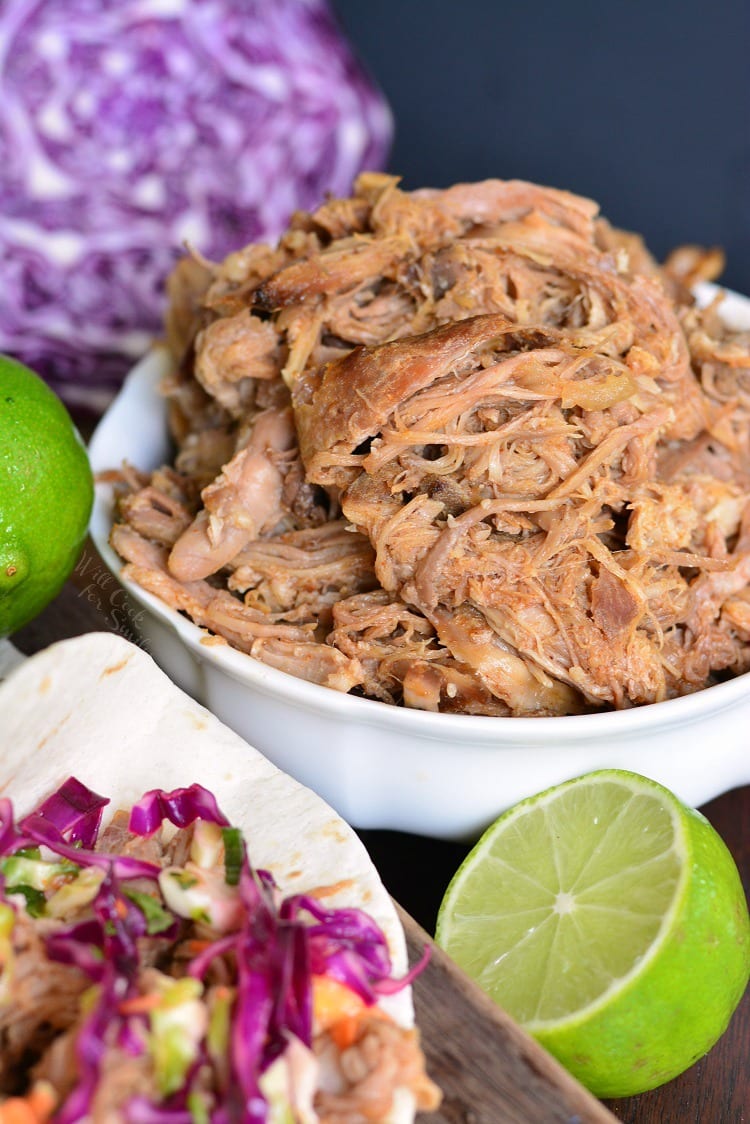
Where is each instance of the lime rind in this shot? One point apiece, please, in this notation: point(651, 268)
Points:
point(46, 493)
point(14, 564)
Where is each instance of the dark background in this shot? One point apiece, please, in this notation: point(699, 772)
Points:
point(643, 106)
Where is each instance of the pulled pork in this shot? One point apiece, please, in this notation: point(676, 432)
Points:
point(468, 450)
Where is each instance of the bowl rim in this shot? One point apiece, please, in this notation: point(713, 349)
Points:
point(492, 732)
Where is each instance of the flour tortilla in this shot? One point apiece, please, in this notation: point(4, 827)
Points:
point(98, 708)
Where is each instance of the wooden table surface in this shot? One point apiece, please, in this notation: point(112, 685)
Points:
point(416, 870)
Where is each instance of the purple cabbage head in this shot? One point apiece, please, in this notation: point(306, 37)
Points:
point(129, 128)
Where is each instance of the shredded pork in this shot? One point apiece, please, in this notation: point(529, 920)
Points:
point(359, 1079)
point(468, 450)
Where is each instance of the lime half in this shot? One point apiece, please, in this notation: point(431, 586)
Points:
point(610, 920)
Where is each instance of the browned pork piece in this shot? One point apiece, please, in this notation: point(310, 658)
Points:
point(466, 450)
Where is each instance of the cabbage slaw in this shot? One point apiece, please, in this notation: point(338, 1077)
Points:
point(252, 1036)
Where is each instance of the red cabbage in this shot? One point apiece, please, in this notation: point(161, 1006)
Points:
point(114, 932)
point(140, 1110)
point(294, 1000)
point(39, 832)
point(129, 127)
point(108, 939)
point(349, 946)
point(200, 964)
point(75, 811)
point(123, 923)
point(251, 1026)
point(80, 945)
point(90, 1049)
point(56, 824)
point(181, 806)
point(9, 837)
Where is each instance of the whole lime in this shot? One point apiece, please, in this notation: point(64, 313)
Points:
point(46, 493)
point(610, 920)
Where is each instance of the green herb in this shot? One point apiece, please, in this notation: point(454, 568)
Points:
point(35, 900)
point(157, 917)
point(184, 879)
point(197, 1104)
point(234, 853)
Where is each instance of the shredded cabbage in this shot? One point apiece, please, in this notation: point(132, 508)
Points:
point(181, 807)
point(128, 128)
point(75, 811)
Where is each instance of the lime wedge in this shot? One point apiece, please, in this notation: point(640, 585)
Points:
point(609, 919)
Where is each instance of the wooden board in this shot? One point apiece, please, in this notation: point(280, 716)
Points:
point(489, 1069)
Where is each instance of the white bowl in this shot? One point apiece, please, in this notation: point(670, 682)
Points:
point(380, 766)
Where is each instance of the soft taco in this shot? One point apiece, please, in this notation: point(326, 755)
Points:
point(213, 944)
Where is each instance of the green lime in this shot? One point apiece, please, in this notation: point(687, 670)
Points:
point(610, 920)
point(46, 492)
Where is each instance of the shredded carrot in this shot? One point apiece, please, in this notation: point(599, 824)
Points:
point(140, 1004)
point(35, 1108)
point(17, 1110)
point(195, 946)
point(344, 1032)
point(333, 1001)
